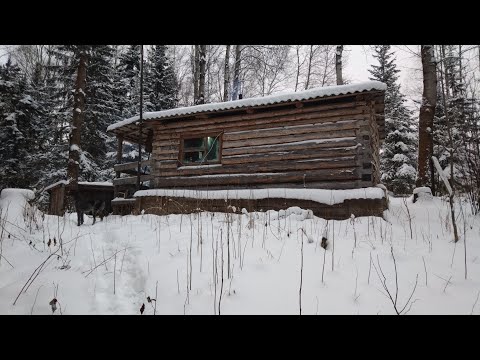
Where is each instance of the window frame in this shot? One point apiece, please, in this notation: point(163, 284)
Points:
point(203, 135)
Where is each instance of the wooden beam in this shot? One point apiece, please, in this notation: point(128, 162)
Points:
point(131, 165)
point(132, 180)
point(119, 153)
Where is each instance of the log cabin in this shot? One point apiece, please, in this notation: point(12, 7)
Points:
point(321, 138)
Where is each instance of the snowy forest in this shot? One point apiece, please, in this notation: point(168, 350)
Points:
point(432, 140)
point(37, 84)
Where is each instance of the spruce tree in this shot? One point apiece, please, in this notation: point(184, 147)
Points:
point(20, 122)
point(160, 89)
point(127, 82)
point(398, 155)
point(100, 111)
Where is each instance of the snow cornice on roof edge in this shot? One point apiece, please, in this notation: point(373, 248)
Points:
point(309, 94)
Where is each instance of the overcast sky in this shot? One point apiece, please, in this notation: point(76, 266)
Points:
point(359, 61)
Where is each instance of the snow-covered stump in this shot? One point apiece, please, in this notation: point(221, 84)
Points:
point(423, 192)
point(327, 204)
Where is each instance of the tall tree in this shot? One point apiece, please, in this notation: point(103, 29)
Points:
point(236, 72)
point(160, 83)
point(101, 110)
point(20, 122)
point(73, 168)
point(427, 112)
point(398, 158)
point(127, 81)
point(226, 73)
point(338, 64)
point(201, 74)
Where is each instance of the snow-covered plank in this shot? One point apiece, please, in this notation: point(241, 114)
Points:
point(329, 197)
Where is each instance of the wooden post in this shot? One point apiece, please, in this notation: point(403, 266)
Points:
point(119, 152)
point(119, 161)
point(140, 120)
point(375, 145)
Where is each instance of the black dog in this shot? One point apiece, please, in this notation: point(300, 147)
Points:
point(94, 207)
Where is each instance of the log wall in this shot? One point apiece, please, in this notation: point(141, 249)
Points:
point(320, 144)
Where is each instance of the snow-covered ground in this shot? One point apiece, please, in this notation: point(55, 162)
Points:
point(112, 267)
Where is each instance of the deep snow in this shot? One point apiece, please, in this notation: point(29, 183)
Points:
point(152, 250)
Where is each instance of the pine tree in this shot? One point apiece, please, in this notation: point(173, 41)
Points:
point(398, 156)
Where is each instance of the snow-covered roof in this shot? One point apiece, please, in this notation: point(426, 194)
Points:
point(66, 182)
point(258, 101)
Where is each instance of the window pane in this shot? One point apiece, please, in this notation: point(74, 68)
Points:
point(213, 152)
point(194, 143)
point(193, 157)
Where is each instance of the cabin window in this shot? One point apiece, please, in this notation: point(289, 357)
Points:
point(203, 150)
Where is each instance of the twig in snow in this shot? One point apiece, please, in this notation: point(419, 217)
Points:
point(34, 275)
point(221, 286)
point(383, 281)
point(447, 281)
point(475, 303)
point(114, 271)
point(34, 302)
point(301, 279)
point(369, 268)
point(178, 284)
point(425, 267)
point(3, 256)
point(111, 257)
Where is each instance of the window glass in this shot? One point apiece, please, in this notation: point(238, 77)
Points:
point(194, 143)
point(213, 149)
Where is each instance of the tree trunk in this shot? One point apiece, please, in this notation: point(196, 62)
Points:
point(309, 68)
point(236, 72)
point(226, 74)
point(201, 79)
point(444, 80)
point(338, 64)
point(298, 67)
point(427, 112)
point(77, 123)
point(196, 69)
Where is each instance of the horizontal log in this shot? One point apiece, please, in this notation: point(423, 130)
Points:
point(119, 201)
point(311, 146)
point(338, 184)
point(280, 110)
point(290, 130)
point(288, 155)
point(166, 165)
point(132, 180)
point(273, 166)
point(132, 165)
point(320, 135)
point(169, 152)
point(271, 124)
point(271, 121)
point(278, 178)
point(157, 142)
